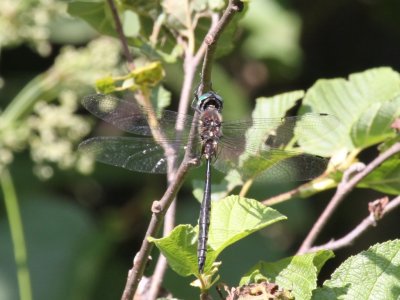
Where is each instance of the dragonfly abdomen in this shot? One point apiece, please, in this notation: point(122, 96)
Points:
point(204, 220)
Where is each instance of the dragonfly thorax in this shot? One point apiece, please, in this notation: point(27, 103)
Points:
point(210, 131)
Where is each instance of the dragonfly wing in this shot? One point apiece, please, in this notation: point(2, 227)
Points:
point(273, 166)
point(262, 133)
point(130, 117)
point(135, 154)
point(266, 149)
point(286, 166)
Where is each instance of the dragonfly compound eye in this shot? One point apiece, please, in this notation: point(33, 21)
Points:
point(209, 99)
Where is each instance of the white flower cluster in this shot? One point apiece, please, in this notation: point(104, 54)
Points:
point(99, 58)
point(55, 131)
point(52, 130)
point(27, 22)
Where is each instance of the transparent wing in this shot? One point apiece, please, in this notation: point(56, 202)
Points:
point(135, 154)
point(254, 135)
point(130, 117)
point(273, 166)
point(265, 148)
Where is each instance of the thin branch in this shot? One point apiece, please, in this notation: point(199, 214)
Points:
point(202, 50)
point(343, 189)
point(160, 269)
point(161, 266)
point(159, 209)
point(120, 32)
point(190, 66)
point(319, 184)
point(211, 40)
point(305, 190)
point(367, 223)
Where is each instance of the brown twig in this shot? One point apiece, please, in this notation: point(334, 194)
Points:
point(159, 209)
point(136, 272)
point(343, 189)
point(190, 66)
point(191, 63)
point(211, 40)
point(121, 36)
point(367, 223)
point(303, 191)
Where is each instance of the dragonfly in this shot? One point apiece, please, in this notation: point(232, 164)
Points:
point(253, 147)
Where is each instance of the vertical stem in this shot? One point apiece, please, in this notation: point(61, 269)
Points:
point(120, 32)
point(211, 40)
point(189, 68)
point(17, 235)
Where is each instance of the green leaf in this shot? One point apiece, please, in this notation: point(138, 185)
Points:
point(160, 97)
point(219, 191)
point(270, 107)
point(98, 15)
point(180, 249)
point(386, 178)
point(143, 77)
point(275, 33)
point(176, 12)
point(130, 24)
point(106, 85)
point(138, 19)
point(232, 219)
point(373, 126)
point(371, 274)
point(318, 138)
point(94, 12)
point(297, 273)
point(350, 101)
point(148, 75)
point(276, 107)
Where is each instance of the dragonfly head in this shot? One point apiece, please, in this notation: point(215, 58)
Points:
point(209, 99)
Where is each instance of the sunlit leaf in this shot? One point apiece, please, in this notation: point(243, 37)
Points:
point(270, 107)
point(373, 126)
point(180, 249)
point(106, 85)
point(148, 75)
point(220, 190)
point(349, 101)
point(232, 219)
point(371, 274)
